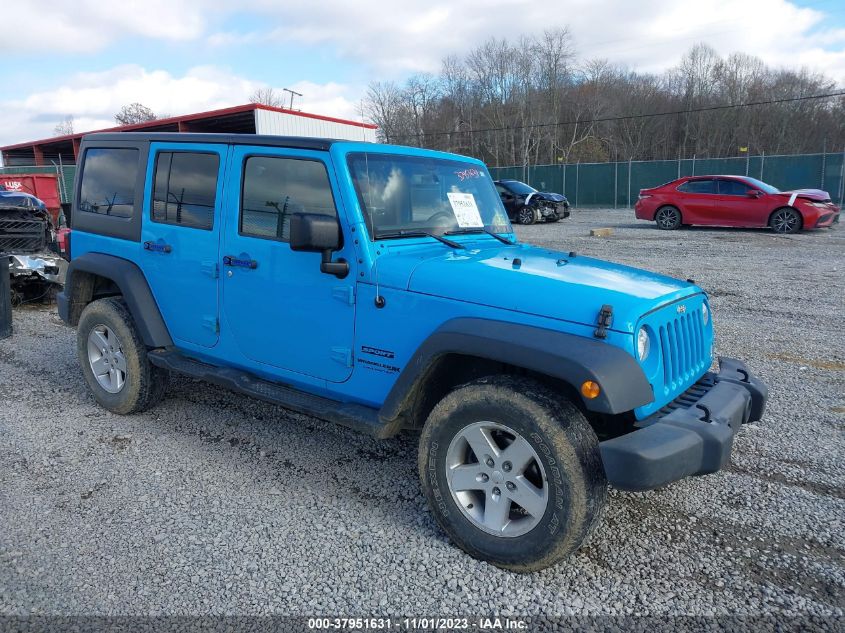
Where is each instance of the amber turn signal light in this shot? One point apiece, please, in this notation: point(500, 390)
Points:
point(590, 389)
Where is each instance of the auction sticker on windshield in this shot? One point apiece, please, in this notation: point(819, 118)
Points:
point(466, 211)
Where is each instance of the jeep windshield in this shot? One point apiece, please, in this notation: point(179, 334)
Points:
point(409, 196)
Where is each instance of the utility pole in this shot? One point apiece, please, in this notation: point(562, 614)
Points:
point(292, 93)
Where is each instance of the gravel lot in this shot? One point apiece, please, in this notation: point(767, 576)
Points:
point(213, 503)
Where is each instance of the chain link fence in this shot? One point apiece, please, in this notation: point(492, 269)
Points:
point(617, 184)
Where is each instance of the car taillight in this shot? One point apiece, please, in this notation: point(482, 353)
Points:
point(643, 196)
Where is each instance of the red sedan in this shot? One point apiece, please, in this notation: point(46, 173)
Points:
point(735, 201)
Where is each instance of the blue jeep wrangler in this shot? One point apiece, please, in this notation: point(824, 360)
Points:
point(383, 288)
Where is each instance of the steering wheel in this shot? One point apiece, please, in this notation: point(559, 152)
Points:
point(442, 218)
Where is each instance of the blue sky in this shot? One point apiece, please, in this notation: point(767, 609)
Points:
point(87, 58)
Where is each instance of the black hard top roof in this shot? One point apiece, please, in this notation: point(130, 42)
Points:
point(293, 142)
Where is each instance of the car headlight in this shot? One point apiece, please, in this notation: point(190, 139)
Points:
point(643, 344)
point(705, 314)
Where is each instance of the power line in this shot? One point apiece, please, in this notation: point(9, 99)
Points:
point(625, 117)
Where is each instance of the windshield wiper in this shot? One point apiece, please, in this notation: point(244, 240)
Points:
point(416, 233)
point(482, 229)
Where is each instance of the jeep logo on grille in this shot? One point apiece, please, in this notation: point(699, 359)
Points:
point(682, 309)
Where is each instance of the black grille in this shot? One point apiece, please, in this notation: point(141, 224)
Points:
point(21, 236)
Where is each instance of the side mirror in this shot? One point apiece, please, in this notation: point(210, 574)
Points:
point(754, 193)
point(314, 233)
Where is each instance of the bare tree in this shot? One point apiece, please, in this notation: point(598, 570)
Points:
point(134, 113)
point(64, 127)
point(531, 101)
point(268, 97)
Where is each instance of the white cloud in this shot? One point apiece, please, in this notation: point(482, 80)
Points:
point(415, 35)
point(94, 98)
point(400, 37)
point(91, 25)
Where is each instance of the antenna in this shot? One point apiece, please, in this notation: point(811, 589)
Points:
point(292, 93)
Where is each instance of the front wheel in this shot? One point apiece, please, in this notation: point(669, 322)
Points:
point(526, 215)
point(512, 472)
point(785, 220)
point(667, 218)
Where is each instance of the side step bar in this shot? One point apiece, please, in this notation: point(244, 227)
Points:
point(355, 416)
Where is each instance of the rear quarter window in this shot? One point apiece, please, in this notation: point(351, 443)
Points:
point(108, 181)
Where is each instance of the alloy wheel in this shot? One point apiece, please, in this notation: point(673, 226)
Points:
point(784, 221)
point(106, 358)
point(496, 479)
point(667, 218)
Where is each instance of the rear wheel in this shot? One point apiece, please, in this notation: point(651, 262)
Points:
point(512, 472)
point(785, 220)
point(667, 218)
point(114, 359)
point(526, 215)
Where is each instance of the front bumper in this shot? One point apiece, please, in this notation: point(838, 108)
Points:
point(692, 436)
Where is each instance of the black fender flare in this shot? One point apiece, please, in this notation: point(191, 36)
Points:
point(132, 284)
point(568, 357)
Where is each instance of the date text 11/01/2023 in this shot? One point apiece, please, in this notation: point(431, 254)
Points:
point(419, 624)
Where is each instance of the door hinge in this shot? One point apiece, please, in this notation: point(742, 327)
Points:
point(345, 294)
point(211, 323)
point(211, 269)
point(342, 355)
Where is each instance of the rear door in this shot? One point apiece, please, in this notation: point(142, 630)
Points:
point(697, 200)
point(181, 237)
point(736, 208)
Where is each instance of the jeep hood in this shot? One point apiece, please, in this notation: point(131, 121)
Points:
point(541, 282)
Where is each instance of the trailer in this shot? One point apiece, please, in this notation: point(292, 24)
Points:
point(45, 187)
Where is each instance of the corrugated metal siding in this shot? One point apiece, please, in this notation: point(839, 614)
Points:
point(282, 124)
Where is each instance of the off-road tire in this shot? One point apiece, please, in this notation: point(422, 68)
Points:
point(566, 445)
point(145, 384)
point(785, 220)
point(667, 218)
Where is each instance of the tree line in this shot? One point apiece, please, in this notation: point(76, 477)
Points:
point(532, 101)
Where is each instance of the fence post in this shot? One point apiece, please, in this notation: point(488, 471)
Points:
point(842, 180)
point(577, 176)
point(824, 165)
point(615, 183)
point(762, 164)
point(693, 164)
point(629, 183)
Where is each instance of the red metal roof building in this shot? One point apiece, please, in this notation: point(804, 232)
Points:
point(252, 118)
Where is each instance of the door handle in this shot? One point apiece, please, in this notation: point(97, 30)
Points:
point(156, 247)
point(228, 260)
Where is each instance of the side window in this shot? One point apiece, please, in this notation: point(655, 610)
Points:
point(108, 181)
point(275, 187)
point(698, 186)
point(500, 189)
point(185, 188)
point(732, 188)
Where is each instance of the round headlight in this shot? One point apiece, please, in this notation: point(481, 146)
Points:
point(643, 344)
point(705, 314)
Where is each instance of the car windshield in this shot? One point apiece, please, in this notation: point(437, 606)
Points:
point(518, 187)
point(417, 195)
point(762, 186)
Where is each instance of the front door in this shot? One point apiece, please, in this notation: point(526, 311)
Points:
point(736, 208)
point(180, 236)
point(279, 308)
